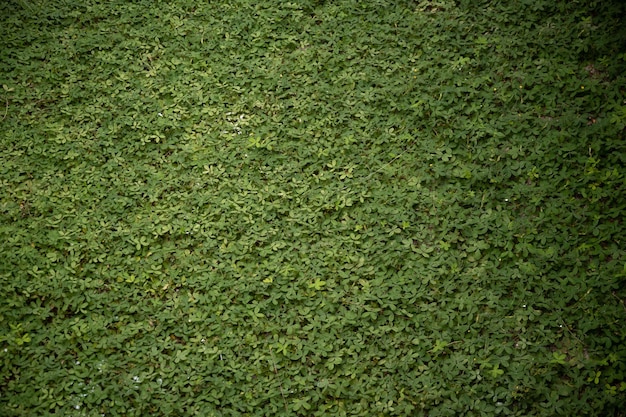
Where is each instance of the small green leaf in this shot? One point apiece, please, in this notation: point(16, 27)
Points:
point(495, 372)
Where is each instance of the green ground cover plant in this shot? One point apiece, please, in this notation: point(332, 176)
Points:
point(346, 208)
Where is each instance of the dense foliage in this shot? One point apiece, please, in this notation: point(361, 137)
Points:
point(347, 207)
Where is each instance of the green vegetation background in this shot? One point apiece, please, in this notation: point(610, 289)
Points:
point(358, 208)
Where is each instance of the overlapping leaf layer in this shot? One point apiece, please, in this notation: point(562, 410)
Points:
point(360, 208)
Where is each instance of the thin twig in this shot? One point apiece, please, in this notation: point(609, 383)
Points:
point(6, 110)
point(282, 393)
point(571, 332)
point(581, 298)
point(620, 300)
